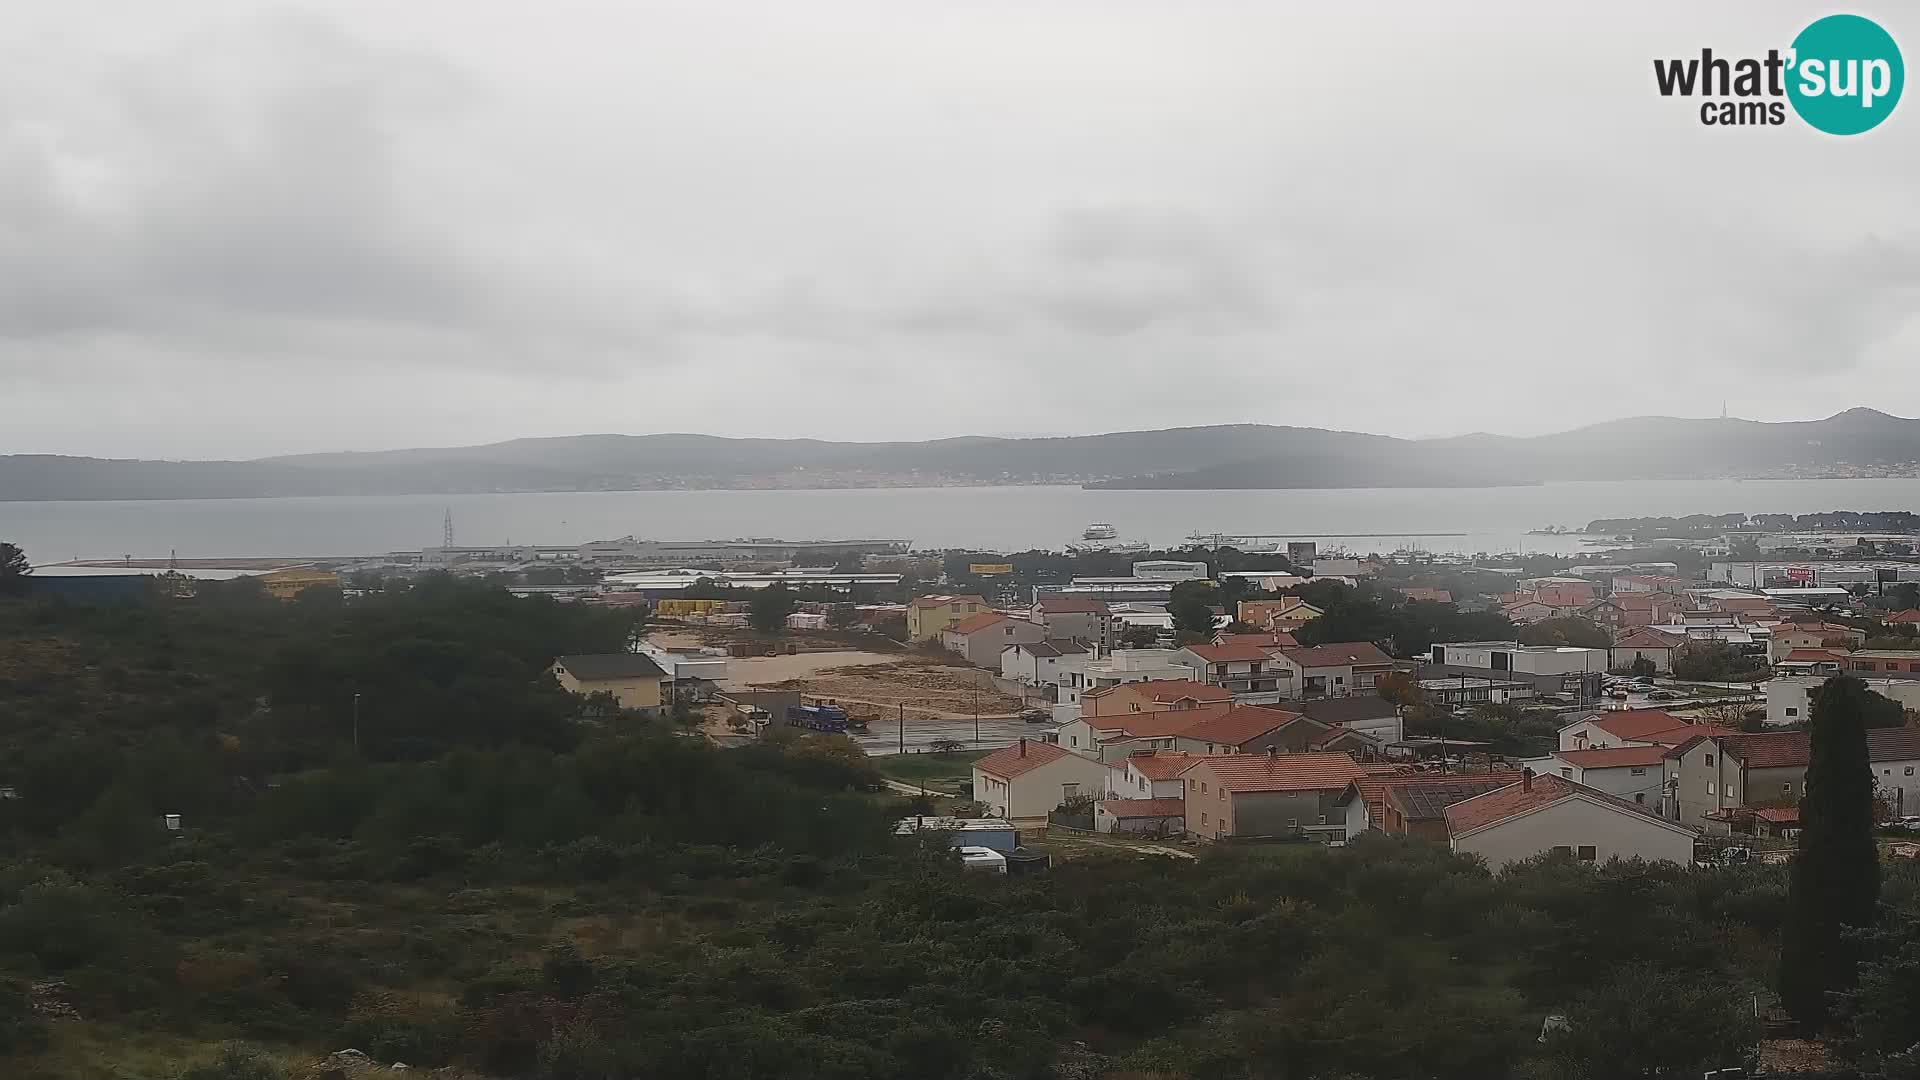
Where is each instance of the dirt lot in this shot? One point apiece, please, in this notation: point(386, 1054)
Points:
point(880, 690)
point(772, 671)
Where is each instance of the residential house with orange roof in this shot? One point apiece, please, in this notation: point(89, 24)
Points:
point(1637, 774)
point(1656, 647)
point(1267, 795)
point(1111, 738)
point(982, 638)
point(1248, 729)
point(1152, 695)
point(1286, 614)
point(1631, 727)
point(1336, 669)
point(1769, 769)
point(1645, 608)
point(1249, 672)
point(927, 616)
point(1909, 617)
point(1527, 611)
point(1075, 618)
point(1788, 636)
point(1550, 814)
point(1024, 781)
point(1413, 803)
point(1149, 774)
point(1269, 640)
point(1883, 664)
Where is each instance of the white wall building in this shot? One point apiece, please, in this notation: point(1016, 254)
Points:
point(1525, 659)
point(1789, 698)
point(1548, 814)
point(1169, 570)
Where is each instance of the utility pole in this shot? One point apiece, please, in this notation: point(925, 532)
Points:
point(356, 725)
point(903, 727)
point(976, 714)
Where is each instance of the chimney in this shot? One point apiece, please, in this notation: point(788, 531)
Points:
point(1023, 746)
point(1526, 779)
point(1272, 752)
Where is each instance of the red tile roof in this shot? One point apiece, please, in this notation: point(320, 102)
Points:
point(1779, 815)
point(975, 623)
point(1022, 757)
point(1496, 806)
point(1649, 638)
point(1281, 772)
point(1240, 724)
point(1815, 656)
point(1653, 726)
point(1159, 690)
point(1614, 758)
point(1145, 808)
point(1635, 601)
point(1770, 749)
point(1277, 639)
point(1373, 787)
point(1157, 724)
point(1911, 615)
point(1337, 654)
point(1893, 744)
point(1223, 654)
point(1158, 764)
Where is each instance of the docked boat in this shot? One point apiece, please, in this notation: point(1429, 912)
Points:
point(1103, 537)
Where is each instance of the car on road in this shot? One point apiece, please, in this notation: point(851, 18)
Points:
point(1663, 695)
point(1036, 716)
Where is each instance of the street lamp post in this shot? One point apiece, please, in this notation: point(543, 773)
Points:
point(356, 725)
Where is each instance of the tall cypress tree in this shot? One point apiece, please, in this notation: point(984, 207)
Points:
point(1836, 874)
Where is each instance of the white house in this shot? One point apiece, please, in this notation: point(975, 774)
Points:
point(1634, 773)
point(1654, 646)
point(1790, 700)
point(1895, 757)
point(1026, 780)
point(1042, 663)
point(1152, 774)
point(1543, 814)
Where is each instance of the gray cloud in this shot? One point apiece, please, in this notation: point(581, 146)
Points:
point(238, 229)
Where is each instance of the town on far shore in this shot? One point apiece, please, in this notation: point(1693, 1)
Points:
point(1645, 699)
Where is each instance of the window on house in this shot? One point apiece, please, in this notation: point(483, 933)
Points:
point(1323, 819)
point(1709, 759)
point(1562, 849)
point(1786, 788)
point(1223, 794)
point(1203, 817)
point(1636, 772)
point(1909, 770)
point(1709, 787)
point(1791, 711)
point(1640, 797)
point(1203, 787)
point(1293, 823)
point(1568, 773)
point(1588, 853)
point(1069, 791)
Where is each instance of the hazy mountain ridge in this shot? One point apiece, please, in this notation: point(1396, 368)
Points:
point(1218, 457)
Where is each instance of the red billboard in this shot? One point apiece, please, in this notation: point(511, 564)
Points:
point(1799, 573)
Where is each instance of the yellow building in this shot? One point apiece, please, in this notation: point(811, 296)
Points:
point(680, 609)
point(928, 616)
point(289, 583)
point(632, 679)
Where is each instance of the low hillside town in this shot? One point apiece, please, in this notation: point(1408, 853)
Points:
point(1626, 710)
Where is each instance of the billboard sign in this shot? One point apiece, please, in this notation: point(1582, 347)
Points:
point(989, 569)
point(1801, 574)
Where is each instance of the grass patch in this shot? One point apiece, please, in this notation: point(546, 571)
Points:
point(933, 770)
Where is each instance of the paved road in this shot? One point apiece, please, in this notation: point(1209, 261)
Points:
point(883, 736)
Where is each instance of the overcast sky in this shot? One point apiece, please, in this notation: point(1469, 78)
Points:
point(246, 228)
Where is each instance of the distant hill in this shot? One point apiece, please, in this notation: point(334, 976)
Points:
point(1223, 457)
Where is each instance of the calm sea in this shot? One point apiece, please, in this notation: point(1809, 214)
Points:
point(1011, 518)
